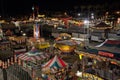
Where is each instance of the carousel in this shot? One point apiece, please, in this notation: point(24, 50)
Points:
point(66, 46)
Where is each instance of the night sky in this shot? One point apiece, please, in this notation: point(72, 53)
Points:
point(14, 7)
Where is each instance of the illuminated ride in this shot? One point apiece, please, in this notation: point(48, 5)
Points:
point(37, 41)
point(66, 46)
point(64, 43)
point(40, 43)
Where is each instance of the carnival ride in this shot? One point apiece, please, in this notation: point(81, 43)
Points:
point(64, 43)
point(65, 46)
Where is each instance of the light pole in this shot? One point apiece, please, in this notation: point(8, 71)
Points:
point(86, 26)
point(82, 58)
point(33, 14)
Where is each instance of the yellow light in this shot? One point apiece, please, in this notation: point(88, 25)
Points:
point(66, 48)
point(80, 56)
point(41, 15)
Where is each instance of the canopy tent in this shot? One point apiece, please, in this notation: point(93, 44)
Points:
point(54, 64)
point(33, 52)
point(33, 55)
point(26, 57)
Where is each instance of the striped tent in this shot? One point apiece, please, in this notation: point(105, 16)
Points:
point(26, 57)
point(33, 55)
point(54, 64)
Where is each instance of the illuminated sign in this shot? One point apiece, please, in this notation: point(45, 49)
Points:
point(106, 54)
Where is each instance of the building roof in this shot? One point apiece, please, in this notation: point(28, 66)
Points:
point(102, 25)
point(114, 48)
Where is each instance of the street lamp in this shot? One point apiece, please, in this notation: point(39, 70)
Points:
point(82, 58)
point(86, 22)
point(78, 14)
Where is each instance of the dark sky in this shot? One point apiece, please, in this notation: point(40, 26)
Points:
point(11, 7)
